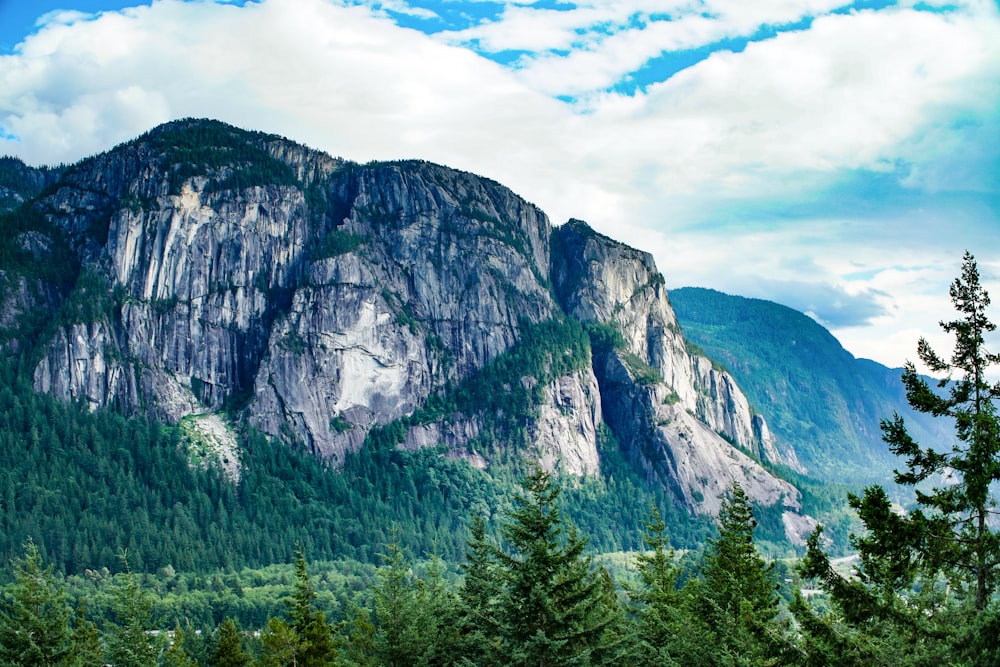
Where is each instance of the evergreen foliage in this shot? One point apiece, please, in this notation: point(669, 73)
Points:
point(230, 157)
point(738, 598)
point(925, 590)
point(176, 655)
point(129, 642)
point(537, 597)
point(659, 605)
point(552, 609)
point(229, 647)
point(34, 616)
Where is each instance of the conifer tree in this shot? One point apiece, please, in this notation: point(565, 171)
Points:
point(416, 618)
point(87, 649)
point(951, 530)
point(34, 615)
point(738, 592)
point(479, 596)
point(128, 643)
point(661, 622)
point(927, 577)
point(229, 647)
point(395, 601)
point(554, 609)
point(176, 655)
point(316, 646)
point(279, 644)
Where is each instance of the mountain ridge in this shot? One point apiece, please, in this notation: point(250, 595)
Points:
point(214, 272)
point(796, 372)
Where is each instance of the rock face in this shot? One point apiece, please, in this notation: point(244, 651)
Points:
point(317, 300)
point(684, 421)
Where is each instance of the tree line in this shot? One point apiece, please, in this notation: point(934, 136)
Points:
point(534, 596)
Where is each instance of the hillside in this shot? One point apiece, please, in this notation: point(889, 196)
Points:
point(397, 324)
point(818, 399)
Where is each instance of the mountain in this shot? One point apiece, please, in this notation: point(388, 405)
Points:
point(821, 402)
point(20, 182)
point(223, 280)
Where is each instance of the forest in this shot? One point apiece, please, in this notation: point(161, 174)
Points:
point(121, 552)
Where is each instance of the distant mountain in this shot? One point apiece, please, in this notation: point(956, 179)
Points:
point(819, 400)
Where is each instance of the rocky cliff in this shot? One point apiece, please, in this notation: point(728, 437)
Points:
point(219, 271)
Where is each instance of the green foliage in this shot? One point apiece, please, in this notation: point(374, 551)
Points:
point(229, 647)
point(738, 593)
point(339, 425)
point(335, 243)
point(87, 648)
point(91, 300)
point(129, 643)
point(176, 655)
point(604, 337)
point(641, 372)
point(927, 577)
point(535, 597)
point(20, 183)
point(552, 608)
point(659, 611)
point(31, 246)
point(34, 616)
point(233, 159)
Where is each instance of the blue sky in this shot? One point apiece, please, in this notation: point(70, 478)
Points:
point(836, 157)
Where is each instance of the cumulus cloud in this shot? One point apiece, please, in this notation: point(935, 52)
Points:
point(831, 146)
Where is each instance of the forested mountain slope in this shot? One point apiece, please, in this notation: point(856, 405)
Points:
point(819, 400)
point(393, 316)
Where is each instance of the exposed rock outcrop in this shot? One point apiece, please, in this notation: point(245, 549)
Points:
point(319, 299)
point(685, 421)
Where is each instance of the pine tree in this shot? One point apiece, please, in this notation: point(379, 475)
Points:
point(554, 609)
point(316, 646)
point(414, 620)
point(926, 578)
point(229, 647)
point(279, 644)
point(129, 644)
point(738, 591)
point(87, 649)
point(660, 614)
point(176, 655)
point(34, 616)
point(951, 530)
point(479, 596)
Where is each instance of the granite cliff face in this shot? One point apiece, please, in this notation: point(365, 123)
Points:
point(316, 300)
point(684, 421)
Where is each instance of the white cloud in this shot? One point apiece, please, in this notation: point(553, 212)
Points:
point(703, 170)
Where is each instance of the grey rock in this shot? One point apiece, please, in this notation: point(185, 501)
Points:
point(329, 298)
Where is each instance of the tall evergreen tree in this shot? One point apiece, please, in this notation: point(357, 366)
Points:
point(738, 592)
point(176, 655)
point(87, 649)
point(395, 602)
point(952, 529)
point(129, 644)
point(229, 646)
point(661, 620)
point(34, 615)
point(927, 578)
point(279, 644)
point(316, 646)
point(479, 596)
point(554, 609)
